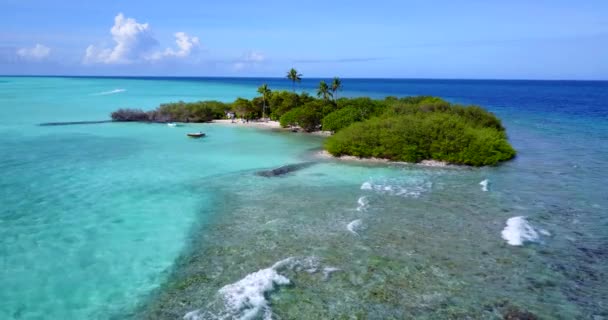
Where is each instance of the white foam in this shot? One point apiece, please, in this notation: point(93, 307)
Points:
point(366, 186)
point(518, 231)
point(409, 188)
point(362, 203)
point(247, 298)
point(484, 185)
point(354, 225)
point(105, 93)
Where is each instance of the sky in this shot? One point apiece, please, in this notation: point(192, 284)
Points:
point(516, 39)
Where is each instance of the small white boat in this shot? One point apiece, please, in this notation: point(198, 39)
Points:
point(172, 124)
point(196, 134)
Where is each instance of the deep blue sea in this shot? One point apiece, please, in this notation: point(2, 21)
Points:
point(128, 220)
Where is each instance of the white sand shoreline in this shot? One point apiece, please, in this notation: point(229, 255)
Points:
point(425, 163)
point(324, 154)
point(257, 124)
point(267, 125)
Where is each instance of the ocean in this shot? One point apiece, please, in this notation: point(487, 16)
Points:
point(135, 221)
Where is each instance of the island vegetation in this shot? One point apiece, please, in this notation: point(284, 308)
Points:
point(409, 129)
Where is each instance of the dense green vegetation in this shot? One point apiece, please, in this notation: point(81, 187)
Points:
point(401, 129)
point(201, 111)
point(419, 128)
point(413, 138)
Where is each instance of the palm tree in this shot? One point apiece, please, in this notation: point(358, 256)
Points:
point(294, 76)
point(336, 85)
point(264, 91)
point(323, 90)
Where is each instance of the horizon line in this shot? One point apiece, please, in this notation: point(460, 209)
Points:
point(274, 77)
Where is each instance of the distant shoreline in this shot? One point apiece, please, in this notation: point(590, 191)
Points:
point(312, 79)
point(271, 124)
point(257, 124)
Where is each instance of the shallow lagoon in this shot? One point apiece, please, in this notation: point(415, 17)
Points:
point(134, 220)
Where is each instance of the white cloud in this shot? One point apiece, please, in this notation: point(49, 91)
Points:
point(134, 42)
point(38, 52)
point(185, 44)
point(248, 59)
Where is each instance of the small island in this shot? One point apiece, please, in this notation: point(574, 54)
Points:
point(409, 129)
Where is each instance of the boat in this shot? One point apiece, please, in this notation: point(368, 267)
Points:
point(196, 134)
point(172, 124)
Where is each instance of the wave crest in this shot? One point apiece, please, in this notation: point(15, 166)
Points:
point(408, 188)
point(247, 298)
point(484, 185)
point(105, 93)
point(518, 231)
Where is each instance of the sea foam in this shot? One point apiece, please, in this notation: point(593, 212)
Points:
point(354, 225)
point(247, 298)
point(362, 203)
point(518, 231)
point(105, 93)
point(409, 188)
point(484, 185)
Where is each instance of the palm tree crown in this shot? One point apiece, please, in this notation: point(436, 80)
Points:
point(323, 90)
point(336, 85)
point(294, 76)
point(264, 91)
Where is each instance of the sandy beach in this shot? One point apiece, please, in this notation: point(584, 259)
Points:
point(427, 163)
point(257, 124)
point(267, 125)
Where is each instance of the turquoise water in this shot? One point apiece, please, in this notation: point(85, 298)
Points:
point(115, 220)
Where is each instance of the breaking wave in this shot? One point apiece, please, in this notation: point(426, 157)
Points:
point(248, 297)
point(484, 185)
point(354, 225)
point(409, 188)
point(518, 231)
point(105, 93)
point(362, 203)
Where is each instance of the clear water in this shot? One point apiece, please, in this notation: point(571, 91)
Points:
point(113, 221)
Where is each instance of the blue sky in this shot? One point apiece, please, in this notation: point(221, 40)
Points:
point(514, 39)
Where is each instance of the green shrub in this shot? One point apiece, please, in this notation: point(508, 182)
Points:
point(281, 102)
point(415, 137)
point(201, 111)
point(308, 117)
point(243, 108)
point(473, 115)
point(129, 115)
point(351, 111)
point(367, 107)
point(340, 119)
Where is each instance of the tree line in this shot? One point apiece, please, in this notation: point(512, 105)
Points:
point(401, 129)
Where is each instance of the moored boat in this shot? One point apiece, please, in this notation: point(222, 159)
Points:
point(172, 124)
point(196, 134)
